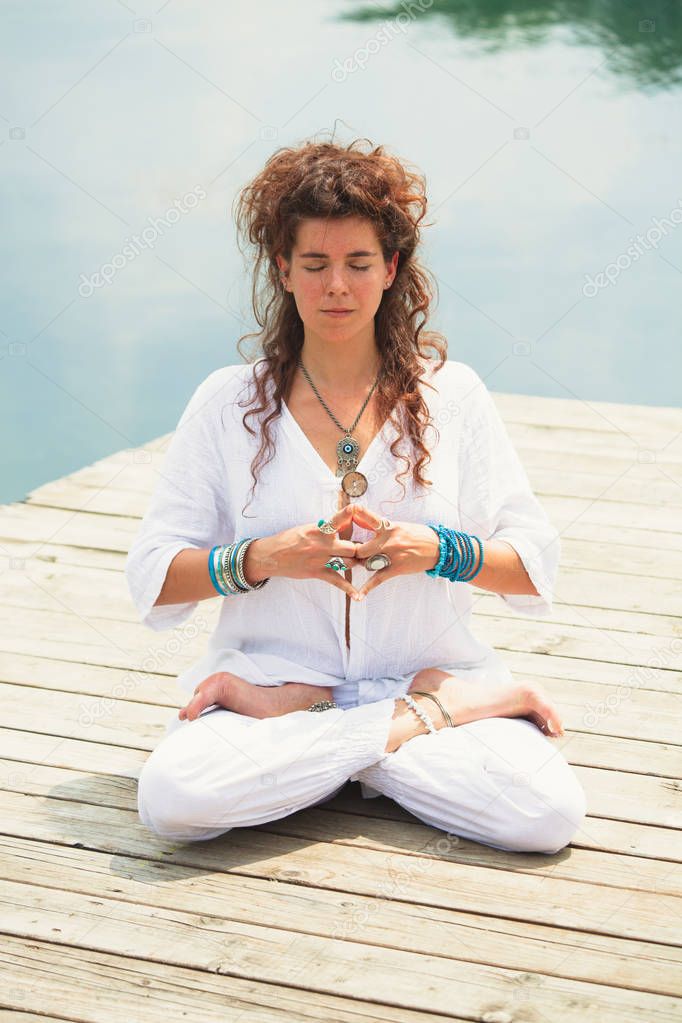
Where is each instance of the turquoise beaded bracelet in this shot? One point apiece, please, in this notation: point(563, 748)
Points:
point(456, 555)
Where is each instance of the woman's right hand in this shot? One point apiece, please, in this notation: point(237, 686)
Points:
point(302, 551)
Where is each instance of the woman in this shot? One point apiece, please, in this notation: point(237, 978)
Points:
point(359, 611)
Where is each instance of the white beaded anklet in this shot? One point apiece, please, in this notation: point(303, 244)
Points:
point(421, 714)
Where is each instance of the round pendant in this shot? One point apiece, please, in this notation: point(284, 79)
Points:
point(354, 484)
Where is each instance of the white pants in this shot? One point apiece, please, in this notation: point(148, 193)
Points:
point(498, 781)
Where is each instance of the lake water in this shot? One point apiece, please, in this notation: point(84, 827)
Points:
point(550, 140)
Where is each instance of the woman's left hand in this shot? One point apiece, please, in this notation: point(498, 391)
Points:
point(411, 546)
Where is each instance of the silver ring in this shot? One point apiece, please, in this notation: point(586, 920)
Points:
point(325, 526)
point(337, 564)
point(375, 562)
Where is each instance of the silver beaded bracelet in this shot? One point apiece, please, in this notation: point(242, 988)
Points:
point(419, 712)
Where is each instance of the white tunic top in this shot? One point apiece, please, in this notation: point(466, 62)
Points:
point(296, 628)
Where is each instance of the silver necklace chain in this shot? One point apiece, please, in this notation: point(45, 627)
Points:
point(350, 429)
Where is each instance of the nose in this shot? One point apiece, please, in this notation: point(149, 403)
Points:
point(335, 280)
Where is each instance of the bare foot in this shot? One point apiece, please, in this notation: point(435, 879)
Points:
point(234, 693)
point(467, 700)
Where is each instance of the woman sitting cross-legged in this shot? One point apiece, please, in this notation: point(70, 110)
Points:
point(344, 648)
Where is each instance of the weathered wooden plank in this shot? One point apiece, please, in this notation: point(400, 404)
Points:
point(583, 414)
point(627, 604)
point(654, 675)
point(652, 470)
point(623, 487)
point(646, 445)
point(26, 748)
point(19, 1016)
point(634, 797)
point(515, 894)
point(628, 711)
point(276, 955)
point(63, 635)
point(56, 555)
point(612, 515)
point(22, 521)
point(154, 684)
point(100, 987)
point(324, 912)
point(631, 650)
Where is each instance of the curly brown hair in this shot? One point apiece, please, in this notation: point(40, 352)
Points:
point(326, 180)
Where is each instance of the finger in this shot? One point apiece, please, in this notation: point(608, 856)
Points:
point(376, 580)
point(364, 517)
point(337, 579)
point(339, 521)
point(342, 516)
point(346, 548)
point(368, 547)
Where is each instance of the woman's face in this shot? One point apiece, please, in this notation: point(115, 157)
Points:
point(337, 264)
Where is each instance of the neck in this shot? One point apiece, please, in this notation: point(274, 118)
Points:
point(344, 368)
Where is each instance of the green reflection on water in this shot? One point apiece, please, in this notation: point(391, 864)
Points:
point(641, 41)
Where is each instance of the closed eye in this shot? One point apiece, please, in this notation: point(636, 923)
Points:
point(316, 269)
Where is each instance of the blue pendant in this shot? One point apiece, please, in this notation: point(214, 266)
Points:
point(347, 451)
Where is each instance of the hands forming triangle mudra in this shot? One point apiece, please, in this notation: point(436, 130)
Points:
point(397, 548)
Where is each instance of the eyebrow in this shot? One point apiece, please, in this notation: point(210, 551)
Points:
point(324, 255)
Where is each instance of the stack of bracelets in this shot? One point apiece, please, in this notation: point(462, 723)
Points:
point(456, 561)
point(457, 557)
point(226, 567)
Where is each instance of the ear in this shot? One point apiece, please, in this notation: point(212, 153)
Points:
point(392, 267)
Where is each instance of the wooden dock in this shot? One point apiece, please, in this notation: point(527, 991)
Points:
point(353, 910)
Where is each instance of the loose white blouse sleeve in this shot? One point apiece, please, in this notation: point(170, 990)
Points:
point(187, 508)
point(496, 501)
